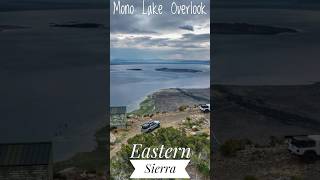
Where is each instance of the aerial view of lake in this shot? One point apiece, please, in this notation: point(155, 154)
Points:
point(131, 83)
point(54, 66)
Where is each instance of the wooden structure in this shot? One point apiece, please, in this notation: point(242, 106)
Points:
point(26, 161)
point(118, 117)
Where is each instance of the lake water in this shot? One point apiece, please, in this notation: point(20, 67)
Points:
point(130, 87)
point(53, 80)
point(268, 59)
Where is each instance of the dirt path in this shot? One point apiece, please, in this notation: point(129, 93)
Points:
point(171, 119)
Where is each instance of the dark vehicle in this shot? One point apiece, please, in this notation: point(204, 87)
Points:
point(150, 126)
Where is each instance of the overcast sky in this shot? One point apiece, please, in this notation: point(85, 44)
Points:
point(167, 36)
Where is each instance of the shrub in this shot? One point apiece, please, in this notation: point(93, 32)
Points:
point(183, 108)
point(189, 122)
point(204, 168)
point(231, 147)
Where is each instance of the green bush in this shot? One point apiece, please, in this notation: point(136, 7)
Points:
point(188, 122)
point(183, 107)
point(231, 147)
point(204, 168)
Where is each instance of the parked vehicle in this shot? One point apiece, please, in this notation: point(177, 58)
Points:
point(150, 126)
point(205, 108)
point(306, 146)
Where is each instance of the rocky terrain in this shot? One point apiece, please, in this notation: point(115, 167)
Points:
point(258, 114)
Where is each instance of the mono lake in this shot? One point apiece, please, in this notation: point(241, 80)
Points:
point(53, 80)
point(288, 58)
point(130, 84)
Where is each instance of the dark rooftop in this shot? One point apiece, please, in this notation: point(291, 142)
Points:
point(23, 154)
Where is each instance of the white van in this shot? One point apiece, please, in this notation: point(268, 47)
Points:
point(205, 108)
point(307, 146)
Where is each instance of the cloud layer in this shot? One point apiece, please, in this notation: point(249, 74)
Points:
point(163, 36)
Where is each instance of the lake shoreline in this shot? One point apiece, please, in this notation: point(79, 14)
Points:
point(170, 99)
point(131, 83)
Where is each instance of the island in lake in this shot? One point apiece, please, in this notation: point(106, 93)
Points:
point(245, 28)
point(134, 69)
point(178, 70)
point(11, 27)
point(78, 25)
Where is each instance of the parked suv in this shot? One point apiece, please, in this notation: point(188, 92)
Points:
point(307, 146)
point(205, 108)
point(150, 126)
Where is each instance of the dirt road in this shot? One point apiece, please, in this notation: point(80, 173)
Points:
point(170, 119)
